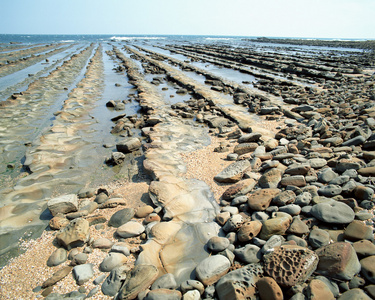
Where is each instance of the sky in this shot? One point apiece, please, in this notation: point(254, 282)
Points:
point(269, 18)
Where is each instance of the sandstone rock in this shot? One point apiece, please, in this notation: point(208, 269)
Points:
point(248, 254)
point(112, 261)
point(269, 289)
point(317, 290)
point(144, 211)
point(239, 284)
point(140, 278)
point(57, 276)
point(130, 229)
point(284, 198)
point(354, 294)
point(113, 282)
point(357, 230)
point(274, 226)
point(74, 235)
point(121, 217)
point(211, 269)
point(318, 238)
point(270, 178)
point(83, 273)
point(249, 230)
point(369, 171)
point(368, 268)
point(364, 248)
point(63, 204)
point(296, 180)
point(338, 260)
point(250, 137)
point(290, 265)
point(161, 294)
point(233, 172)
point(245, 148)
point(261, 199)
point(130, 145)
point(241, 188)
point(57, 257)
point(166, 281)
point(333, 212)
point(102, 243)
point(58, 222)
point(217, 244)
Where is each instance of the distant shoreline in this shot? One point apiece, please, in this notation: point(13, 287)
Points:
point(366, 44)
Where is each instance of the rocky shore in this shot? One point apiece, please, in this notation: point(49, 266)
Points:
point(268, 196)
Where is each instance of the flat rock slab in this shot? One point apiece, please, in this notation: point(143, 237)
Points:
point(233, 172)
point(63, 204)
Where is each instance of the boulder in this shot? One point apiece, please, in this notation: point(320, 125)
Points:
point(129, 145)
point(234, 172)
point(63, 204)
point(74, 235)
point(211, 269)
point(333, 212)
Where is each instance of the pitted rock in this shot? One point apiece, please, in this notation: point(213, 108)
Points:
point(290, 265)
point(261, 199)
point(234, 172)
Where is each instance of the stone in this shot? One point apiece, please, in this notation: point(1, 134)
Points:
point(318, 238)
point(248, 254)
point(113, 282)
point(298, 227)
point(370, 289)
point(58, 256)
point(112, 202)
point(233, 223)
point(217, 244)
point(129, 145)
point(326, 175)
point(83, 273)
point(354, 294)
point(357, 230)
point(249, 230)
point(332, 285)
point(317, 163)
point(138, 280)
point(211, 269)
point(274, 226)
point(80, 259)
point(364, 248)
point(244, 148)
point(333, 212)
point(234, 172)
point(63, 204)
point(144, 211)
point(111, 261)
point(121, 247)
point(261, 199)
point(363, 193)
point(102, 243)
point(222, 217)
point(291, 209)
point(58, 222)
point(270, 178)
point(166, 281)
point(57, 276)
point(330, 190)
point(189, 285)
point(338, 260)
point(250, 137)
point(269, 289)
point(74, 235)
point(130, 229)
point(290, 265)
point(317, 290)
point(161, 294)
point(284, 198)
point(240, 188)
point(303, 199)
point(239, 284)
point(368, 171)
point(191, 295)
point(295, 180)
point(368, 268)
point(298, 169)
point(121, 217)
point(273, 242)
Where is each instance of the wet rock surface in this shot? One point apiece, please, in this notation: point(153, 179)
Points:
point(296, 217)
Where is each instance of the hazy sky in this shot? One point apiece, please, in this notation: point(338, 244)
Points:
point(288, 18)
